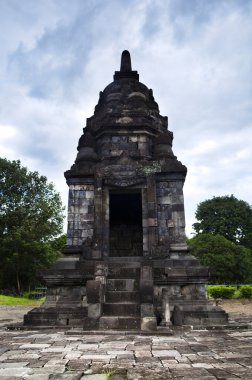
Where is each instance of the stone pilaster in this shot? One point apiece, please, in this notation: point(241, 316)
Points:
point(80, 214)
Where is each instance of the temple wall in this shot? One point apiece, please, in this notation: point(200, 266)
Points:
point(113, 146)
point(170, 210)
point(80, 214)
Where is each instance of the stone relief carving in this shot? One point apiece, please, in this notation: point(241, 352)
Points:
point(124, 181)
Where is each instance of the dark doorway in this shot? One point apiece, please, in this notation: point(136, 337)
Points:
point(126, 233)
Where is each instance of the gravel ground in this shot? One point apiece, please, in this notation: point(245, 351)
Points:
point(13, 314)
point(243, 306)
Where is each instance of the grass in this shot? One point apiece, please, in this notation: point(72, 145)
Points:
point(108, 373)
point(22, 301)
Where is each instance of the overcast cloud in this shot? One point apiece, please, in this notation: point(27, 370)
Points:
point(56, 55)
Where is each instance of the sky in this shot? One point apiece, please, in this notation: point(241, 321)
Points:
point(196, 55)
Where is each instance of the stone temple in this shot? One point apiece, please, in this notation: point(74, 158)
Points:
point(126, 265)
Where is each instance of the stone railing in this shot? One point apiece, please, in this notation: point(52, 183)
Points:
point(148, 319)
point(96, 292)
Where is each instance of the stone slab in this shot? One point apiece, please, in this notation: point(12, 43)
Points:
point(17, 371)
point(34, 346)
point(94, 377)
point(188, 354)
point(71, 375)
point(14, 364)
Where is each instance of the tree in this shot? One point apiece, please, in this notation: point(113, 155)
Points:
point(232, 263)
point(31, 217)
point(226, 216)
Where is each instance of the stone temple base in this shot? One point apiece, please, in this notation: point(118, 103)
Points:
point(125, 294)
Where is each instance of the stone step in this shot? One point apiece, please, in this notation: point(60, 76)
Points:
point(117, 251)
point(121, 296)
point(133, 261)
point(121, 309)
point(120, 323)
point(205, 317)
point(52, 317)
point(118, 272)
point(126, 284)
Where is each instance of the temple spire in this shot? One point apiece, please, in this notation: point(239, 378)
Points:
point(125, 61)
point(125, 69)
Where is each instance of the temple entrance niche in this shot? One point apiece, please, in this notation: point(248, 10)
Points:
point(126, 231)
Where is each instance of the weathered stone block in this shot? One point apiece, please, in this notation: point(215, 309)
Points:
point(95, 310)
point(94, 291)
point(146, 285)
point(73, 375)
point(177, 316)
point(89, 194)
point(148, 324)
point(147, 310)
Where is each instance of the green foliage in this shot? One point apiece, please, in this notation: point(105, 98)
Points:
point(221, 291)
point(58, 244)
point(36, 294)
point(245, 291)
point(224, 291)
point(226, 216)
point(108, 373)
point(22, 301)
point(31, 217)
point(232, 263)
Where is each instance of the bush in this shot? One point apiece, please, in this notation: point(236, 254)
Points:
point(221, 291)
point(36, 294)
point(245, 291)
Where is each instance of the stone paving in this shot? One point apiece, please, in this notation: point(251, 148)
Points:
point(74, 355)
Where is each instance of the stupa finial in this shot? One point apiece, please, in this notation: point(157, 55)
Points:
point(125, 69)
point(125, 61)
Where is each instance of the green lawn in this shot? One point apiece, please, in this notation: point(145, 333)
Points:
point(13, 301)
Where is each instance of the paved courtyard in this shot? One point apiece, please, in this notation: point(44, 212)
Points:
point(74, 354)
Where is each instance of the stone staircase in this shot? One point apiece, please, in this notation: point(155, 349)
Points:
point(121, 309)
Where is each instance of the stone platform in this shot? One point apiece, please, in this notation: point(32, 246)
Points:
point(74, 354)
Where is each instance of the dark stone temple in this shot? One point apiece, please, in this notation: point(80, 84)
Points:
point(126, 264)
